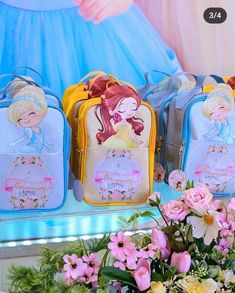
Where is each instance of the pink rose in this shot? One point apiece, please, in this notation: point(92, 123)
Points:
point(175, 210)
point(182, 261)
point(160, 240)
point(198, 198)
point(142, 274)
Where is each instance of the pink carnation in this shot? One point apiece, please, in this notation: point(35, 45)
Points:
point(175, 210)
point(198, 198)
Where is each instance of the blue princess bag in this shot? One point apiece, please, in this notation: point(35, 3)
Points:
point(34, 148)
point(201, 137)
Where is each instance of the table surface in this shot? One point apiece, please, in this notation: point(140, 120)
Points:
point(73, 219)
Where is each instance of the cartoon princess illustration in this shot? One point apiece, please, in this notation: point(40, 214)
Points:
point(27, 110)
point(217, 107)
point(119, 126)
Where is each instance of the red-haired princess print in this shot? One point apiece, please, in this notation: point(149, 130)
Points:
point(120, 128)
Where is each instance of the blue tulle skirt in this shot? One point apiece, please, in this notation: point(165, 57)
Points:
point(51, 37)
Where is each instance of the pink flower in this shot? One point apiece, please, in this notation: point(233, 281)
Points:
point(69, 281)
point(198, 198)
point(142, 275)
point(88, 276)
point(131, 259)
point(74, 266)
point(223, 246)
point(120, 246)
point(120, 265)
point(160, 240)
point(117, 286)
point(92, 261)
point(148, 251)
point(116, 194)
point(232, 204)
point(117, 117)
point(175, 210)
point(182, 261)
point(215, 205)
point(28, 203)
point(226, 223)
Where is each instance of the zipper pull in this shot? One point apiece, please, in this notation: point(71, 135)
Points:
point(159, 148)
point(181, 150)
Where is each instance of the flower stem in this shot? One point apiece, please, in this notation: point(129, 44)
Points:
point(162, 215)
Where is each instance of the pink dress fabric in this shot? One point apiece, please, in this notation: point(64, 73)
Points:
point(201, 47)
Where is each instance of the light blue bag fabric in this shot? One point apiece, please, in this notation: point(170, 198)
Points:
point(34, 148)
point(53, 38)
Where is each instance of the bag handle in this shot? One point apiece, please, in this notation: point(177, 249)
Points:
point(4, 90)
point(33, 70)
point(198, 86)
point(30, 82)
point(148, 73)
point(102, 74)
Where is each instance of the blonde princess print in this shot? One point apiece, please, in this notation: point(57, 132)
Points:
point(27, 110)
point(216, 107)
point(119, 126)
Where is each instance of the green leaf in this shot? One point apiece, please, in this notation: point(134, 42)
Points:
point(118, 275)
point(170, 230)
point(80, 289)
point(188, 185)
point(157, 277)
point(170, 273)
point(213, 271)
point(147, 214)
point(103, 281)
point(123, 219)
point(105, 290)
point(133, 217)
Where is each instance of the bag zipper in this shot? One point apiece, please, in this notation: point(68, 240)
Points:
point(186, 133)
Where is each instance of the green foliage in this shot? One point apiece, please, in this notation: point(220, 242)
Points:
point(26, 280)
point(80, 289)
point(116, 274)
point(95, 245)
point(189, 184)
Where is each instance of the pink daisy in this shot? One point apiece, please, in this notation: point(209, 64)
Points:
point(74, 266)
point(92, 261)
point(120, 246)
point(88, 276)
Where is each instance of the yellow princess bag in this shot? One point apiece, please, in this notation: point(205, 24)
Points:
point(91, 85)
point(115, 144)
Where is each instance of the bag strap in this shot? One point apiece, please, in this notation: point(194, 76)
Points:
point(198, 86)
point(98, 74)
point(149, 73)
point(4, 90)
point(29, 82)
point(33, 70)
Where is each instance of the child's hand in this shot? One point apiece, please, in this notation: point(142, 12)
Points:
point(98, 10)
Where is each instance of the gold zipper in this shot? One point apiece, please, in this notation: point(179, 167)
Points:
point(82, 138)
point(181, 150)
point(159, 148)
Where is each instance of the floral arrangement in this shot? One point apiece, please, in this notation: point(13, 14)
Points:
point(190, 249)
